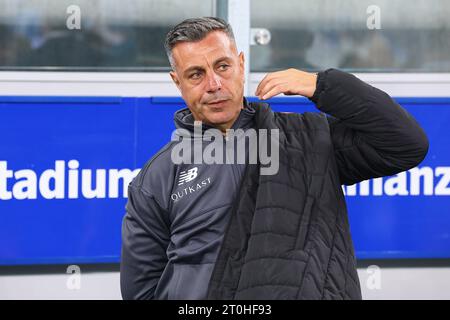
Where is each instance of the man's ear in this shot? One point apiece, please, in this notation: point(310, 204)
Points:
point(242, 60)
point(242, 64)
point(174, 77)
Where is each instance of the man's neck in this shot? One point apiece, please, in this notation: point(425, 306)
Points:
point(223, 127)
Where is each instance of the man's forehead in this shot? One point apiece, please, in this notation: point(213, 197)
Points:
point(215, 45)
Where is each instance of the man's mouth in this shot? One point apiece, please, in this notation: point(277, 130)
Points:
point(216, 102)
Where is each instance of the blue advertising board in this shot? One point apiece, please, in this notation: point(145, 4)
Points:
point(65, 163)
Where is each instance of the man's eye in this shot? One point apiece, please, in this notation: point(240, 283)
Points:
point(223, 67)
point(195, 75)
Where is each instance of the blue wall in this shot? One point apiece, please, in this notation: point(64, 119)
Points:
point(110, 133)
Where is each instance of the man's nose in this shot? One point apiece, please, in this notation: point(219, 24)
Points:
point(214, 83)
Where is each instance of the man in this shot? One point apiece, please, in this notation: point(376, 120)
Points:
point(226, 231)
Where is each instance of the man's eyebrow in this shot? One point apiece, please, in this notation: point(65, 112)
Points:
point(193, 68)
point(199, 68)
point(221, 59)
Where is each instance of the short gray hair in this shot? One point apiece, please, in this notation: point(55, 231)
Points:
point(194, 29)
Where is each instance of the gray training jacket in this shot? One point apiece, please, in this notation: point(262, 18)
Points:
point(176, 218)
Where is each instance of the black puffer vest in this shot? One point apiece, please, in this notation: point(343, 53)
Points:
point(289, 236)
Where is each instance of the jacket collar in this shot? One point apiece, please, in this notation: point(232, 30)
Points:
point(185, 120)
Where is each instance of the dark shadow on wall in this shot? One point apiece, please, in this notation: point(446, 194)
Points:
point(115, 267)
point(57, 269)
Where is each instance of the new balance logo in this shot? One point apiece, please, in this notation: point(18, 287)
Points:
point(188, 175)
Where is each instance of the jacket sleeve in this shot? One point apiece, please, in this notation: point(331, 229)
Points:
point(372, 135)
point(145, 237)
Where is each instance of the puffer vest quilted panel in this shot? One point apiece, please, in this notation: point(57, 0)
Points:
point(289, 237)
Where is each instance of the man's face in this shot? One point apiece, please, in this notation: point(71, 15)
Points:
point(210, 76)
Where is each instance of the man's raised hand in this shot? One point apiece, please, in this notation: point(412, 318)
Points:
point(290, 82)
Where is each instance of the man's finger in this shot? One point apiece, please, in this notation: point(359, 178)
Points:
point(265, 87)
point(262, 83)
point(269, 84)
point(281, 88)
point(269, 77)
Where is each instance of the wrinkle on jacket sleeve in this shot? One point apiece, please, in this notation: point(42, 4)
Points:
point(373, 136)
point(145, 238)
